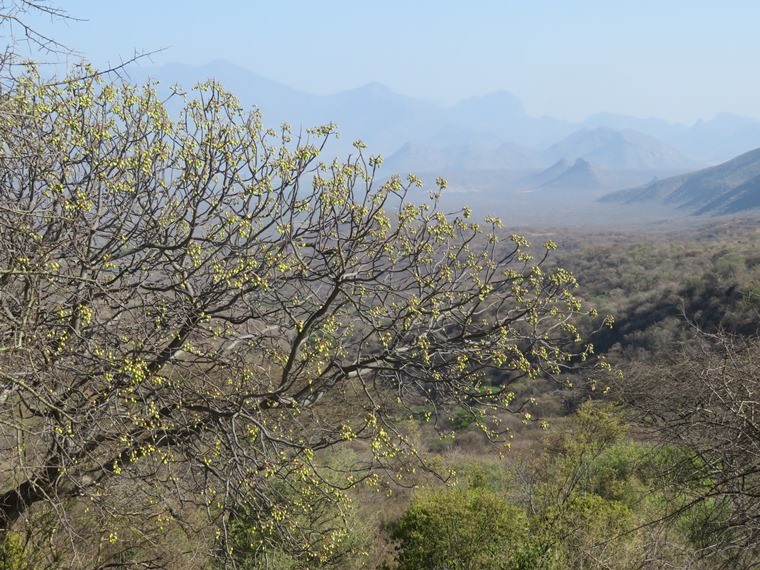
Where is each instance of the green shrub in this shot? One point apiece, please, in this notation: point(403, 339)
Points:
point(460, 529)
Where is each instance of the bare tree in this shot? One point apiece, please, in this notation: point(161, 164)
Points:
point(191, 309)
point(703, 406)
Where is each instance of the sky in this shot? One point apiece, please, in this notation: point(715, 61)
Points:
point(681, 60)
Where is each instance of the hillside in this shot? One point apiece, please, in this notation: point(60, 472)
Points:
point(728, 188)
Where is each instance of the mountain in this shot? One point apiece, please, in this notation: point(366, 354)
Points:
point(607, 148)
point(452, 135)
point(502, 104)
point(413, 157)
point(654, 127)
point(373, 113)
point(279, 102)
point(516, 156)
point(386, 121)
point(622, 150)
point(582, 176)
point(549, 175)
point(381, 118)
point(727, 188)
point(502, 113)
point(724, 136)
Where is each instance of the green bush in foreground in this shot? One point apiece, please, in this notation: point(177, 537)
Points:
point(458, 529)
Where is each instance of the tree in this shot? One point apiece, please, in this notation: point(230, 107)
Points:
point(701, 406)
point(192, 308)
point(582, 493)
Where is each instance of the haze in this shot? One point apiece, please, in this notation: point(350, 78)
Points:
point(679, 60)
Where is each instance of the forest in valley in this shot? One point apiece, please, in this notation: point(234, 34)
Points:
point(652, 466)
point(655, 466)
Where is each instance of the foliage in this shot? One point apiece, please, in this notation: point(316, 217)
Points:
point(582, 491)
point(193, 307)
point(342, 537)
point(685, 336)
point(592, 497)
point(576, 505)
point(12, 554)
point(655, 284)
point(463, 528)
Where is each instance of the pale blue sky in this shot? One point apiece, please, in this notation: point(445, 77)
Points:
point(677, 59)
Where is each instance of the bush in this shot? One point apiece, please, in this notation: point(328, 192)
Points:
point(460, 528)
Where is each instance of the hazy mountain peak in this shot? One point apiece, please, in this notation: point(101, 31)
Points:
point(249, 87)
point(582, 176)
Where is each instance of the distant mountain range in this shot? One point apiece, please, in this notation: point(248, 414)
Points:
point(602, 147)
point(491, 131)
point(502, 161)
point(417, 157)
point(727, 188)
